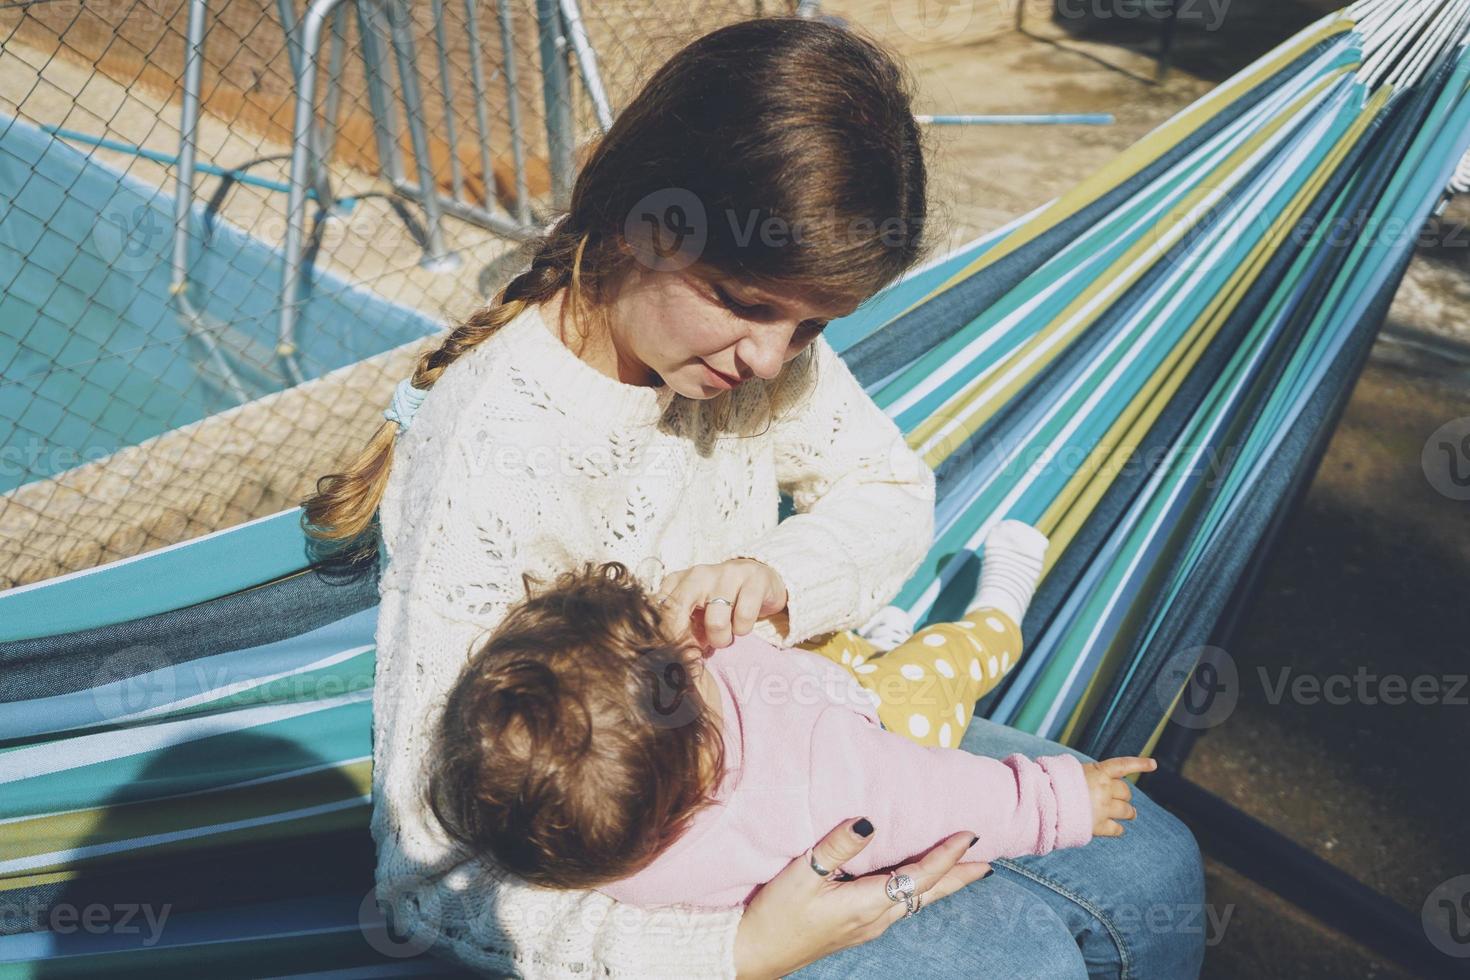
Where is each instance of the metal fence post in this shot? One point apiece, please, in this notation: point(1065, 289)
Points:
point(587, 63)
point(303, 125)
point(184, 197)
point(400, 29)
point(319, 178)
point(557, 92)
point(513, 97)
point(380, 97)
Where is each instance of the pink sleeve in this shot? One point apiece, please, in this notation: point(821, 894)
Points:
point(917, 796)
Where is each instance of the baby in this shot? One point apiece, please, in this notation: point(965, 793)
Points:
point(588, 743)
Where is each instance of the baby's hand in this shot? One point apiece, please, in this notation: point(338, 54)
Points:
point(1111, 792)
point(753, 589)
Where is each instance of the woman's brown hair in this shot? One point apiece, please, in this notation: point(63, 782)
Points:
point(794, 137)
point(574, 745)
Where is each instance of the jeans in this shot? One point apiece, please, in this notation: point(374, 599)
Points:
point(1130, 906)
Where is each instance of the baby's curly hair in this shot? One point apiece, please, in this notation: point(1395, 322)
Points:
point(575, 746)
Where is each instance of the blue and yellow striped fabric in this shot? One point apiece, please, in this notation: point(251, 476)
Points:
point(1145, 367)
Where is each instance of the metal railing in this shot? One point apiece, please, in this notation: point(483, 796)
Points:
point(561, 32)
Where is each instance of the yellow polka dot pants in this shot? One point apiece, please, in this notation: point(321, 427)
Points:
point(928, 685)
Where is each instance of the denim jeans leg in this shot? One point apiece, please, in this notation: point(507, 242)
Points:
point(999, 929)
point(1135, 903)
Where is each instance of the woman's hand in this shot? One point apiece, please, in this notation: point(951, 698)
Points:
point(1110, 792)
point(798, 917)
point(753, 589)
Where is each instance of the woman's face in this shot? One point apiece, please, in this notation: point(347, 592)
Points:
point(705, 336)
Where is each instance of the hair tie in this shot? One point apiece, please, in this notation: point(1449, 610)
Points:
point(406, 401)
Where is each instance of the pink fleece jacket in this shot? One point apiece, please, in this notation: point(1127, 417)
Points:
point(804, 751)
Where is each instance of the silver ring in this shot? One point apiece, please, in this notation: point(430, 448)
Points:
point(716, 599)
point(899, 887)
point(912, 905)
point(811, 859)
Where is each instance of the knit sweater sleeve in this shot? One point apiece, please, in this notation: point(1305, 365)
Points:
point(864, 500)
point(465, 529)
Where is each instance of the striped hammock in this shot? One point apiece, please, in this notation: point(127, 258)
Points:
point(1145, 367)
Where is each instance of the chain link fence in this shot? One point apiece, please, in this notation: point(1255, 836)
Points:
point(175, 360)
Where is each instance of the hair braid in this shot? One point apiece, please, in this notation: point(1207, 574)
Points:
point(345, 503)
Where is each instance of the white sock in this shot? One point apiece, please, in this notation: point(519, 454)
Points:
point(889, 627)
point(1012, 560)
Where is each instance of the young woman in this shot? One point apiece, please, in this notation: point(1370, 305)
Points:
point(642, 393)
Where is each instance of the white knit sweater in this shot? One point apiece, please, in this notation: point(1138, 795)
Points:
point(524, 458)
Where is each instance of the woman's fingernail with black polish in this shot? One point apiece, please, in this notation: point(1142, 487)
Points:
point(863, 828)
point(987, 874)
point(974, 841)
